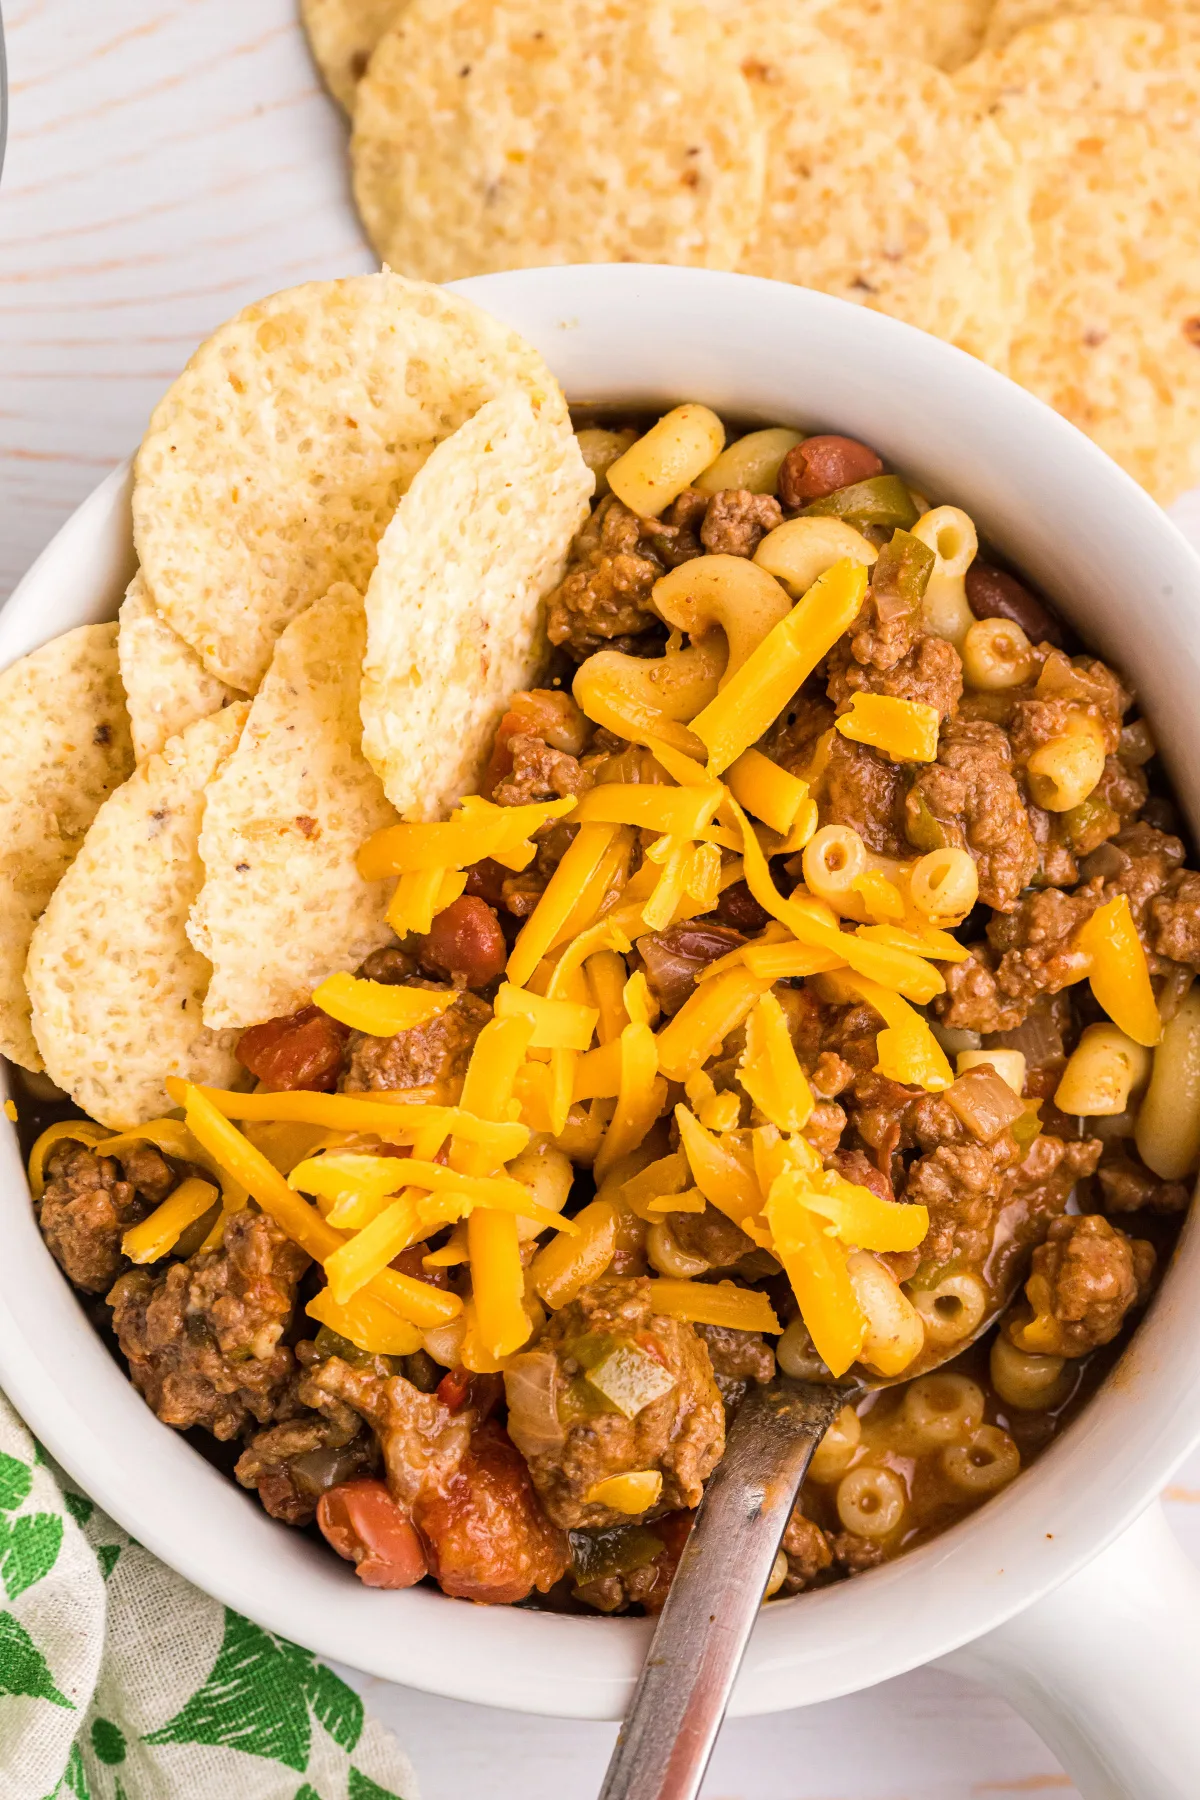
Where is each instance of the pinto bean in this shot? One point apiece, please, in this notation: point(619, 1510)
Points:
point(994, 594)
point(370, 1529)
point(303, 1050)
point(738, 908)
point(675, 957)
point(466, 940)
point(821, 465)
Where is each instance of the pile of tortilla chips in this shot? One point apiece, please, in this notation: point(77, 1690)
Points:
point(348, 511)
point(1017, 176)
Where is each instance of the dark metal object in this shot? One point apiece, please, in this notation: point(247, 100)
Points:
point(683, 1691)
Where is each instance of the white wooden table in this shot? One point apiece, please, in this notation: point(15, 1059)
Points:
point(170, 160)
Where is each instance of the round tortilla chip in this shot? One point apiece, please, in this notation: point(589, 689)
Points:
point(166, 684)
point(1007, 17)
point(342, 35)
point(274, 462)
point(455, 606)
point(1103, 109)
point(946, 33)
point(116, 987)
point(283, 905)
point(508, 134)
point(884, 188)
point(64, 748)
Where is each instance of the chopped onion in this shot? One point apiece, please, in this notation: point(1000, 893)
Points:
point(984, 1102)
point(1038, 1037)
point(630, 1379)
point(531, 1383)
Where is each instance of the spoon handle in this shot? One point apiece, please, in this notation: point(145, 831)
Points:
point(683, 1690)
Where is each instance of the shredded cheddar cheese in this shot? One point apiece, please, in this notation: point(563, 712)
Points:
point(904, 730)
point(378, 1007)
point(155, 1235)
point(706, 1303)
point(769, 792)
point(1119, 977)
point(756, 694)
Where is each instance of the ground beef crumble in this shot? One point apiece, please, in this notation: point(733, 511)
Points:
point(972, 797)
point(88, 1205)
point(431, 1055)
point(1086, 1277)
point(603, 599)
point(682, 1434)
point(202, 1338)
point(292, 1463)
point(931, 673)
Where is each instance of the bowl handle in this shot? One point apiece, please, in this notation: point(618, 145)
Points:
point(1105, 1668)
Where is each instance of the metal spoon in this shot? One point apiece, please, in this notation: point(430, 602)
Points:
point(715, 1597)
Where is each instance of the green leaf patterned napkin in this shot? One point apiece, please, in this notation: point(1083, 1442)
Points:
point(121, 1681)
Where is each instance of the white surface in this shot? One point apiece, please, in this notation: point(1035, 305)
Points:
point(167, 165)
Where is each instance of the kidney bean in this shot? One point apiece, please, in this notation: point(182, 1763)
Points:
point(373, 1531)
point(821, 465)
point(303, 1050)
point(738, 907)
point(411, 1262)
point(466, 940)
point(994, 594)
point(675, 957)
point(485, 881)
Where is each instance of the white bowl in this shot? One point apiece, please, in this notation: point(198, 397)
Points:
point(1129, 582)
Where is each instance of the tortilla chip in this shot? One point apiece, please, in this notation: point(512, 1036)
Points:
point(166, 684)
point(64, 747)
point(508, 134)
point(1103, 109)
point(116, 987)
point(947, 33)
point(342, 35)
point(273, 463)
point(884, 189)
point(455, 606)
point(282, 904)
point(1007, 17)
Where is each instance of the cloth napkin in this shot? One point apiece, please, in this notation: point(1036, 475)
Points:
point(121, 1681)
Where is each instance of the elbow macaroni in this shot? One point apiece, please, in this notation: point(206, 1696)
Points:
point(1104, 1069)
point(1063, 772)
point(895, 1335)
point(996, 654)
point(641, 699)
point(752, 463)
point(944, 885)
point(1168, 1123)
point(950, 534)
point(953, 1310)
point(1008, 1064)
point(728, 592)
point(656, 469)
point(796, 552)
point(833, 860)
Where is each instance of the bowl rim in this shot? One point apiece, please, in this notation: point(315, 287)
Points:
point(1137, 1428)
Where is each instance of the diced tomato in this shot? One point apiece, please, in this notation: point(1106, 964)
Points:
point(466, 940)
point(370, 1529)
point(301, 1051)
point(453, 1389)
point(647, 1341)
point(486, 1536)
point(546, 713)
